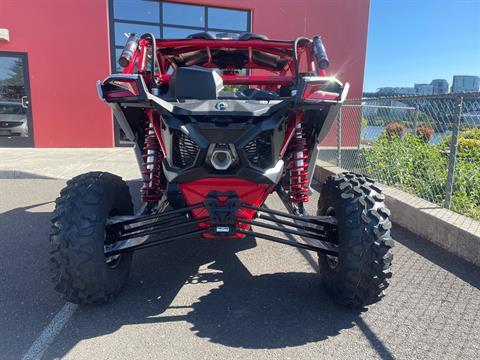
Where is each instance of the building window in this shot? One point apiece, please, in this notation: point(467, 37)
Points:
point(169, 20)
point(184, 15)
point(227, 19)
point(145, 11)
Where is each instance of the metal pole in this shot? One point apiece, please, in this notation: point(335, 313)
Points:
point(339, 138)
point(360, 128)
point(415, 121)
point(453, 151)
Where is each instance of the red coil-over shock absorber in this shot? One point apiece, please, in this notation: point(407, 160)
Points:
point(152, 159)
point(297, 165)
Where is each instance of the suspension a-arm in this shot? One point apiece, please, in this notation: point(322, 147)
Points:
point(126, 234)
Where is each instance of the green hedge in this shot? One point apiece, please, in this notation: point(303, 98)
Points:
point(420, 168)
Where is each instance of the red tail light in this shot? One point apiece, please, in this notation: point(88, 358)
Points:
point(121, 88)
point(317, 92)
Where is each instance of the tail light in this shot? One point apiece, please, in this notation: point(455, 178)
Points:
point(321, 89)
point(316, 92)
point(121, 88)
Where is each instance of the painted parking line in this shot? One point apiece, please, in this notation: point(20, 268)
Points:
point(49, 333)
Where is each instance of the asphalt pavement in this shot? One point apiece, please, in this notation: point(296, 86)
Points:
point(211, 299)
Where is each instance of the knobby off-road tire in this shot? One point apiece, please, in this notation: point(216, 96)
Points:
point(361, 273)
point(79, 269)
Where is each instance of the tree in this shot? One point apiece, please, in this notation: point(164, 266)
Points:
point(12, 83)
point(15, 77)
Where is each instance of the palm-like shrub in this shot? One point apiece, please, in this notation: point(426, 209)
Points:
point(425, 132)
point(396, 130)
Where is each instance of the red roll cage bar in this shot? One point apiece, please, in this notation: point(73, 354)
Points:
point(291, 52)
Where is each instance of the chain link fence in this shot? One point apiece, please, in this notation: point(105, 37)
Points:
point(426, 145)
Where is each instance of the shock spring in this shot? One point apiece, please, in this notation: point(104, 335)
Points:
point(152, 159)
point(297, 165)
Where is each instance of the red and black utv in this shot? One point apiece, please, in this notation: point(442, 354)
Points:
point(220, 122)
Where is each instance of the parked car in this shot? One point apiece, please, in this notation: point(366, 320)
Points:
point(13, 119)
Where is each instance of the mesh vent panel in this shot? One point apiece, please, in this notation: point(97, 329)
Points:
point(259, 150)
point(184, 149)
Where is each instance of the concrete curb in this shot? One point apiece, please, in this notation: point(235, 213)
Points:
point(451, 231)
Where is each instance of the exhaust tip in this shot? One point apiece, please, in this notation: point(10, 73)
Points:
point(221, 156)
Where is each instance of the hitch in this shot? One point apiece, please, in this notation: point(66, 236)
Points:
point(222, 215)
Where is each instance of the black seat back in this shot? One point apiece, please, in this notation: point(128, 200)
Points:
point(195, 82)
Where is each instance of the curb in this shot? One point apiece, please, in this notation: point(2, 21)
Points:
point(19, 174)
point(453, 232)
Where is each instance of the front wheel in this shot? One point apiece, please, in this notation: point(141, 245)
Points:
point(80, 270)
point(361, 272)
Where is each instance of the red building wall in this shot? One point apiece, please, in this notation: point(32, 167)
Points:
point(68, 51)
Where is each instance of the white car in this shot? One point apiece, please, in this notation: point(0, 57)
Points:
point(13, 119)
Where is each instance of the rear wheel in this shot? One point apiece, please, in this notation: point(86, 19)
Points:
point(80, 270)
point(361, 272)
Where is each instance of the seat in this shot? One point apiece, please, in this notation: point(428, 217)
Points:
point(202, 35)
point(252, 36)
point(208, 83)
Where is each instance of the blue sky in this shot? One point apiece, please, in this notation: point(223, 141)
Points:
point(415, 41)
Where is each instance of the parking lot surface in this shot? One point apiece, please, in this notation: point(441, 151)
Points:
point(211, 299)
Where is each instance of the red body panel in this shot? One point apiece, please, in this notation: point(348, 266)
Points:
point(248, 193)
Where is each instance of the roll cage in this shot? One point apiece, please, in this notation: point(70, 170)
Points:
point(269, 63)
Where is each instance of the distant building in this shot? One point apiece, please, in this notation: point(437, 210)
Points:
point(392, 91)
point(440, 86)
point(423, 89)
point(369, 94)
point(465, 83)
point(398, 108)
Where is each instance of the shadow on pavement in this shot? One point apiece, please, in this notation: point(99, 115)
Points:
point(266, 311)
point(258, 312)
point(26, 295)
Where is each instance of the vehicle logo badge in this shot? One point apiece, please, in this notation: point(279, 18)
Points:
point(221, 106)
